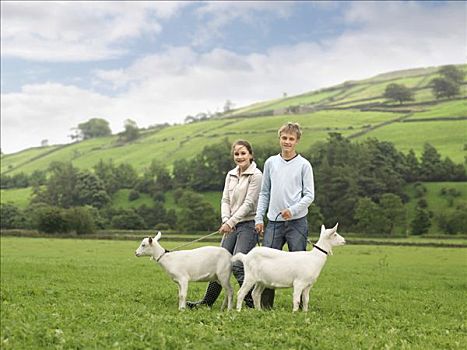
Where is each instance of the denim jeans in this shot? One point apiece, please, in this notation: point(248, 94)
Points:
point(241, 240)
point(292, 232)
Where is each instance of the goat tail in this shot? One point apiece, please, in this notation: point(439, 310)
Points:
point(238, 257)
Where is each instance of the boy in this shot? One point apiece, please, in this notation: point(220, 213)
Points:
point(287, 190)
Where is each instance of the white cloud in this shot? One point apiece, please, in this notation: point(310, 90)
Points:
point(46, 111)
point(167, 86)
point(216, 15)
point(77, 31)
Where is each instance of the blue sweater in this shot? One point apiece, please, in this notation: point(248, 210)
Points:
point(285, 184)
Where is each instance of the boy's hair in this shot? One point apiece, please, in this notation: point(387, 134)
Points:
point(244, 143)
point(291, 128)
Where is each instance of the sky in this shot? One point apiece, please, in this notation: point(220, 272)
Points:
point(63, 63)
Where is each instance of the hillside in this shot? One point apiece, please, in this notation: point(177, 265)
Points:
point(356, 109)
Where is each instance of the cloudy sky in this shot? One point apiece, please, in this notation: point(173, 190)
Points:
point(63, 63)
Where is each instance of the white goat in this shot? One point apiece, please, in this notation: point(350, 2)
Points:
point(200, 265)
point(273, 268)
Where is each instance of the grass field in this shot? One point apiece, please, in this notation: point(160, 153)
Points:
point(120, 200)
point(95, 294)
point(407, 136)
point(19, 197)
point(186, 141)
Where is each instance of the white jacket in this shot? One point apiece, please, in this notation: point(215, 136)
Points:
point(240, 196)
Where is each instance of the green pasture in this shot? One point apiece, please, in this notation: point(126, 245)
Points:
point(456, 108)
point(96, 294)
point(447, 136)
point(72, 152)
point(19, 197)
point(10, 161)
point(304, 99)
point(120, 200)
point(376, 89)
point(406, 73)
point(187, 140)
point(436, 202)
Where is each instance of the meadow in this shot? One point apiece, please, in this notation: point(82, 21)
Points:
point(65, 293)
point(184, 141)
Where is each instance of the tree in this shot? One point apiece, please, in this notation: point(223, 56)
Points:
point(156, 179)
point(51, 219)
point(154, 216)
point(90, 190)
point(412, 172)
point(95, 127)
point(38, 178)
point(453, 73)
point(370, 217)
point(228, 105)
point(128, 219)
point(80, 220)
point(109, 175)
point(453, 221)
point(315, 218)
point(210, 166)
point(431, 164)
point(126, 176)
point(182, 173)
point(393, 211)
point(196, 214)
point(11, 217)
point(421, 223)
point(398, 92)
point(443, 87)
point(131, 131)
point(60, 188)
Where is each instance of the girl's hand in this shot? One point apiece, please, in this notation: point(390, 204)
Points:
point(225, 229)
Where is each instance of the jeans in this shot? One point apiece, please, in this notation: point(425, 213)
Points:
point(292, 232)
point(241, 240)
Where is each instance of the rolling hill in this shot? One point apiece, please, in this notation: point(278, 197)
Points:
point(356, 109)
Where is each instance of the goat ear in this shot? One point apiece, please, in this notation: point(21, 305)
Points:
point(150, 240)
point(323, 229)
point(158, 236)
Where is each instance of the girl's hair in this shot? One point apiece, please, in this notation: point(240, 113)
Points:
point(291, 128)
point(244, 143)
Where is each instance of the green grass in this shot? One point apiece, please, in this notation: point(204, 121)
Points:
point(20, 197)
point(436, 203)
point(414, 135)
point(185, 141)
point(16, 159)
point(446, 109)
point(120, 200)
point(96, 294)
point(212, 197)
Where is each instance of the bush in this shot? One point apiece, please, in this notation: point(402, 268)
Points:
point(421, 222)
point(453, 221)
point(128, 220)
point(80, 220)
point(51, 220)
point(12, 217)
point(133, 195)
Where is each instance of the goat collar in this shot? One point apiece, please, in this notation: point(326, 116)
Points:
point(320, 249)
point(160, 256)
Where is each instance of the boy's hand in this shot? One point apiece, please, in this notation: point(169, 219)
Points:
point(286, 214)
